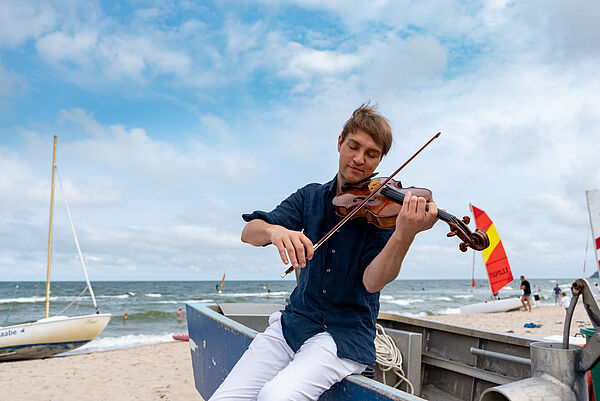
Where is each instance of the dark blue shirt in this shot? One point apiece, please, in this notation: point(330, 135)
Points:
point(330, 295)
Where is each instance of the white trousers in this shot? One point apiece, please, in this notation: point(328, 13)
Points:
point(270, 370)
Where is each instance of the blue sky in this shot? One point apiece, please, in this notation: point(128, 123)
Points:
point(174, 118)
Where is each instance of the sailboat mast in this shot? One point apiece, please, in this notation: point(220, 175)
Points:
point(50, 232)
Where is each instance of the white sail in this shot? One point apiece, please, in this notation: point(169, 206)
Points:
point(593, 201)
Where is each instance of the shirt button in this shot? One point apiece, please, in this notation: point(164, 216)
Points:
point(324, 326)
point(333, 251)
point(324, 291)
point(328, 270)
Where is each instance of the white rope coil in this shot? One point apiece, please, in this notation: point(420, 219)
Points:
point(389, 357)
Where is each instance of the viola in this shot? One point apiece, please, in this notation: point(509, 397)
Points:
point(383, 208)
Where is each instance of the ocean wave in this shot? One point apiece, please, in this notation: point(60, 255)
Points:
point(448, 311)
point(418, 315)
point(111, 343)
point(151, 315)
point(31, 300)
point(442, 299)
point(152, 295)
point(404, 302)
point(184, 302)
point(122, 296)
point(463, 296)
point(275, 294)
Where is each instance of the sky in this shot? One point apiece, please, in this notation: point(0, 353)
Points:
point(175, 117)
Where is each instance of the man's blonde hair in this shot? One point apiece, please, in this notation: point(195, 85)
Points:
point(367, 118)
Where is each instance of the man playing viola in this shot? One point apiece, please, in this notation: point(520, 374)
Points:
point(327, 330)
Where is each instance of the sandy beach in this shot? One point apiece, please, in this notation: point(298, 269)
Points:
point(551, 318)
point(152, 372)
point(164, 371)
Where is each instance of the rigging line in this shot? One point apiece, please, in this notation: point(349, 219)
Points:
point(87, 279)
point(73, 301)
point(11, 304)
point(587, 242)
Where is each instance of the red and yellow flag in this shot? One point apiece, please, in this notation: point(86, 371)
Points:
point(496, 263)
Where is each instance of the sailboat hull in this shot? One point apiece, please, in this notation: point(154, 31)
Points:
point(502, 305)
point(51, 336)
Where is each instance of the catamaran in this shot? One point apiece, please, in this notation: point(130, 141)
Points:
point(498, 269)
point(53, 334)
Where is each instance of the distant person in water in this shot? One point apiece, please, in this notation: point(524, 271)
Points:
point(268, 289)
point(557, 292)
point(217, 287)
point(179, 315)
point(125, 316)
point(526, 298)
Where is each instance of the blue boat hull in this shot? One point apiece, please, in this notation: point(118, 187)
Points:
point(35, 351)
point(217, 343)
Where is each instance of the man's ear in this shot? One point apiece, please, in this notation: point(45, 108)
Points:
point(340, 143)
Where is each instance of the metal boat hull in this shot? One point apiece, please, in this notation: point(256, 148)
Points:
point(217, 343)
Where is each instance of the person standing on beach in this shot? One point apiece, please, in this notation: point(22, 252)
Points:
point(557, 292)
point(327, 330)
point(526, 298)
point(565, 301)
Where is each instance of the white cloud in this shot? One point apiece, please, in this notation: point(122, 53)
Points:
point(118, 56)
point(134, 150)
point(23, 20)
point(60, 47)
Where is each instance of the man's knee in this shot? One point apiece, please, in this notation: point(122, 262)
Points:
point(275, 390)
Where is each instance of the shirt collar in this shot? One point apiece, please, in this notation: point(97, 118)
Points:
point(332, 185)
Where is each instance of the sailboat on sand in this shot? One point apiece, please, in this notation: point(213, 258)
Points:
point(593, 202)
point(52, 334)
point(498, 269)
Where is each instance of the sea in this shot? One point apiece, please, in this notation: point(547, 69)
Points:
point(152, 306)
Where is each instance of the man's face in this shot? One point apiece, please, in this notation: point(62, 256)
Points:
point(359, 157)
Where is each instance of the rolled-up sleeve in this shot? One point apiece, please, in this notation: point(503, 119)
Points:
point(288, 214)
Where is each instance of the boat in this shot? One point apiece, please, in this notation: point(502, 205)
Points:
point(181, 336)
point(443, 362)
point(53, 334)
point(593, 202)
point(498, 269)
